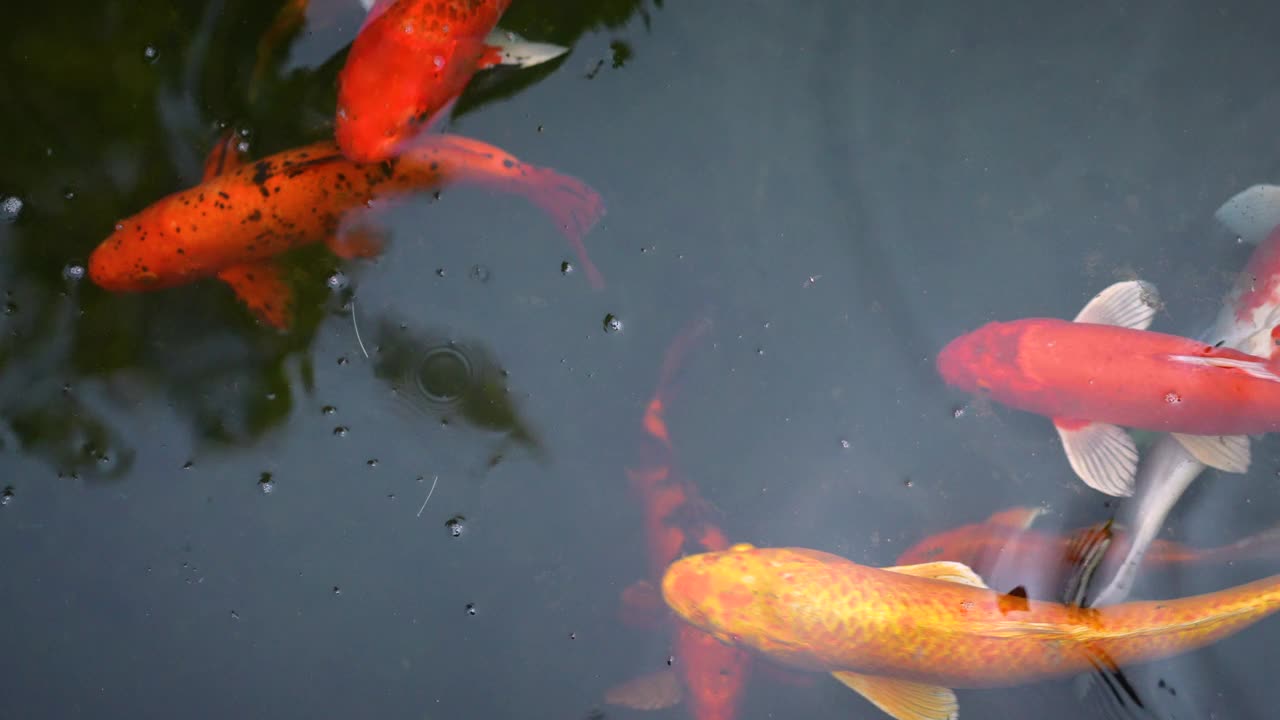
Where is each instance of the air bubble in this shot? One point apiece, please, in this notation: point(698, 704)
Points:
point(480, 274)
point(471, 608)
point(612, 324)
point(10, 208)
point(266, 484)
point(6, 496)
point(150, 53)
point(1172, 398)
point(844, 444)
point(328, 410)
point(337, 281)
point(456, 525)
point(341, 431)
point(73, 272)
point(958, 412)
point(566, 268)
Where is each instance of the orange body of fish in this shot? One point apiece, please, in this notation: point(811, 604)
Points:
point(243, 215)
point(709, 675)
point(411, 58)
point(903, 636)
point(1007, 552)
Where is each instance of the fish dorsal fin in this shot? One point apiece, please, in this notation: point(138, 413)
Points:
point(655, 691)
point(1257, 367)
point(1104, 456)
point(1130, 304)
point(902, 699)
point(1229, 453)
point(1251, 213)
point(227, 155)
point(946, 570)
point(1016, 518)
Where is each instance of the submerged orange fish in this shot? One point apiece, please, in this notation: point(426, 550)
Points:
point(410, 61)
point(232, 225)
point(903, 636)
point(1008, 553)
point(707, 674)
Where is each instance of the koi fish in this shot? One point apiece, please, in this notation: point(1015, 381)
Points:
point(1008, 553)
point(1106, 370)
point(1246, 323)
point(233, 224)
point(411, 60)
point(903, 636)
point(711, 674)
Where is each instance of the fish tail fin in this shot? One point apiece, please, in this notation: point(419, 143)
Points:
point(574, 207)
point(507, 48)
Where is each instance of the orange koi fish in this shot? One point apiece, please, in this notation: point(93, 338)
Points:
point(903, 636)
point(711, 674)
point(411, 60)
point(1006, 552)
point(233, 225)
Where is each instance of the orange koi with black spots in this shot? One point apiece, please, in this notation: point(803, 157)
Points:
point(232, 225)
point(903, 636)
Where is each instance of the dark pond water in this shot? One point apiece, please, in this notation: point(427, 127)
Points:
point(210, 519)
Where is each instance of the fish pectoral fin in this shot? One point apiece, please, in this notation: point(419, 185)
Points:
point(1103, 455)
point(1006, 628)
point(1261, 369)
point(947, 570)
point(642, 605)
point(262, 287)
point(1017, 518)
point(903, 699)
point(508, 48)
point(1130, 304)
point(655, 691)
point(1251, 213)
point(1229, 453)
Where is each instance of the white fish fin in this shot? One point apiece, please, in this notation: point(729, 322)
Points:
point(517, 51)
point(1103, 455)
point(1229, 453)
point(948, 570)
point(1131, 304)
point(1018, 518)
point(1251, 213)
point(1256, 368)
point(655, 691)
point(902, 699)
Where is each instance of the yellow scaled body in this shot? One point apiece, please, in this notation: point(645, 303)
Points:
point(903, 636)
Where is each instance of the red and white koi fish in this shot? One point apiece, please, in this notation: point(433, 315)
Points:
point(708, 675)
point(234, 224)
point(1246, 322)
point(1105, 370)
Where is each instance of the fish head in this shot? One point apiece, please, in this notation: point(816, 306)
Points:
point(743, 597)
point(985, 359)
point(131, 259)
